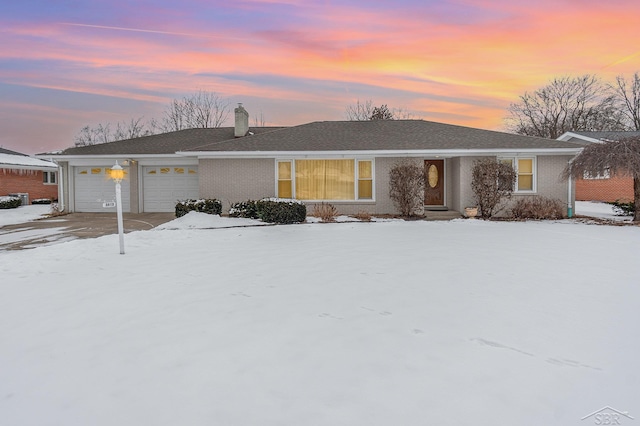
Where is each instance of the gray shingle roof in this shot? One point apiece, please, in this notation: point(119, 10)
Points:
point(381, 135)
point(164, 143)
point(8, 151)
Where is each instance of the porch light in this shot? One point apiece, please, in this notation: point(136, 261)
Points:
point(117, 174)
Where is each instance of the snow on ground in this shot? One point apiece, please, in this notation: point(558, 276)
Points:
point(394, 323)
point(23, 214)
point(599, 210)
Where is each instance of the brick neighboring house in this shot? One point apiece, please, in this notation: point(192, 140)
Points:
point(21, 174)
point(601, 188)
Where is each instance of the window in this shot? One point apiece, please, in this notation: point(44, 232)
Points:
point(365, 180)
point(49, 178)
point(331, 180)
point(284, 179)
point(525, 173)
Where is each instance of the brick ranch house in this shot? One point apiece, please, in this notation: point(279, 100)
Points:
point(601, 188)
point(345, 163)
point(21, 174)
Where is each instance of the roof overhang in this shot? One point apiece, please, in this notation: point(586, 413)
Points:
point(53, 167)
point(567, 136)
point(380, 153)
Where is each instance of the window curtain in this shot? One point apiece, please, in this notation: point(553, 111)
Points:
point(325, 179)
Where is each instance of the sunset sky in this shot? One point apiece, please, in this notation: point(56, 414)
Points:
point(67, 64)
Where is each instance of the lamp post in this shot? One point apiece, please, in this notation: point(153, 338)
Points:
point(117, 174)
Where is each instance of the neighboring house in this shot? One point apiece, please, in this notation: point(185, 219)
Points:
point(345, 163)
point(30, 177)
point(605, 187)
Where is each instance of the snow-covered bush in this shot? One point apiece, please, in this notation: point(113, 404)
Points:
point(623, 209)
point(278, 210)
point(10, 202)
point(245, 209)
point(42, 201)
point(209, 206)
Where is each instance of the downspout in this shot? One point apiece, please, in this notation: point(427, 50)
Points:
point(60, 189)
point(570, 193)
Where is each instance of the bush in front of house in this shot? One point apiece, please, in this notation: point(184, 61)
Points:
point(276, 210)
point(209, 206)
point(406, 187)
point(10, 202)
point(623, 209)
point(245, 209)
point(42, 201)
point(538, 208)
point(492, 182)
point(325, 211)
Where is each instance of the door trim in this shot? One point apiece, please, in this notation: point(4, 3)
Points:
point(444, 185)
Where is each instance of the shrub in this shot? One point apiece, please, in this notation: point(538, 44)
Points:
point(42, 201)
point(325, 211)
point(209, 206)
point(274, 210)
point(624, 209)
point(406, 187)
point(246, 209)
point(363, 216)
point(538, 208)
point(10, 202)
point(492, 182)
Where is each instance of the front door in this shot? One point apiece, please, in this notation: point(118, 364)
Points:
point(434, 183)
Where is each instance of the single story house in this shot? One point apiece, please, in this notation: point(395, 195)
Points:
point(605, 187)
point(345, 163)
point(28, 177)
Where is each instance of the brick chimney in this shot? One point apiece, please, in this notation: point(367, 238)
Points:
point(242, 121)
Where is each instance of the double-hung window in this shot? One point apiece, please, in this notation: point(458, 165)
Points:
point(325, 179)
point(525, 169)
point(49, 178)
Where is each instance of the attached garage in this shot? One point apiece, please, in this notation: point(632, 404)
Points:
point(92, 187)
point(163, 186)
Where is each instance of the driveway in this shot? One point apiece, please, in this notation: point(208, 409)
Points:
point(72, 226)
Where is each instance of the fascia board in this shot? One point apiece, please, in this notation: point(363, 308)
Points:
point(379, 153)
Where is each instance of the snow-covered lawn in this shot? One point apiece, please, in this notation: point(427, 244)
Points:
point(396, 323)
point(23, 214)
point(600, 210)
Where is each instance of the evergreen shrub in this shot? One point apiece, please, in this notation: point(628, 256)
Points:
point(209, 206)
point(10, 202)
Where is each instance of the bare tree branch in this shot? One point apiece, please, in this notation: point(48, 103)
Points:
point(567, 103)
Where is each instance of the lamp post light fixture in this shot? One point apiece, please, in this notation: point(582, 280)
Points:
point(117, 174)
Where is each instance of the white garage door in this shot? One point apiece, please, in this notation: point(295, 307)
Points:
point(92, 187)
point(164, 186)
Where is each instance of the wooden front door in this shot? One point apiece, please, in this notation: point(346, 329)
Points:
point(434, 183)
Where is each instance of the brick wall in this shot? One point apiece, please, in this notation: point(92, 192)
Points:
point(612, 189)
point(26, 181)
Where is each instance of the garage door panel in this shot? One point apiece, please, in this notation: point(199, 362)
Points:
point(164, 186)
point(92, 187)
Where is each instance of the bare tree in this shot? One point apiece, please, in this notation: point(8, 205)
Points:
point(627, 95)
point(102, 133)
point(618, 158)
point(361, 111)
point(406, 187)
point(366, 111)
point(202, 109)
point(492, 182)
point(566, 103)
point(258, 121)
